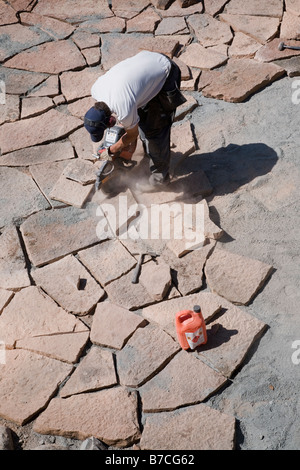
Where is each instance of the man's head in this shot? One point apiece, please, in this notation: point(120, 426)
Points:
point(97, 119)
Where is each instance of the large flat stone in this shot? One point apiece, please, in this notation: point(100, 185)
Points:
point(51, 125)
point(73, 12)
point(19, 196)
point(78, 84)
point(7, 14)
point(10, 112)
point(35, 105)
point(172, 25)
point(241, 78)
point(229, 338)
point(148, 350)
point(243, 46)
point(113, 325)
point(209, 31)
point(40, 154)
point(270, 52)
point(256, 8)
point(175, 9)
point(235, 277)
point(49, 87)
point(14, 38)
point(208, 429)
point(18, 82)
point(293, 6)
point(28, 381)
point(202, 58)
point(133, 7)
point(107, 261)
point(50, 235)
point(109, 415)
point(290, 28)
point(55, 28)
point(50, 57)
point(71, 192)
point(144, 22)
point(95, 371)
point(164, 313)
point(63, 347)
point(13, 271)
point(260, 28)
point(156, 278)
point(55, 280)
point(215, 6)
point(184, 381)
point(5, 297)
point(32, 313)
point(81, 139)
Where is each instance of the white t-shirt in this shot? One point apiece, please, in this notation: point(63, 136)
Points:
point(131, 84)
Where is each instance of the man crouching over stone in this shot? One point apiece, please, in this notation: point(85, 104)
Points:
point(142, 93)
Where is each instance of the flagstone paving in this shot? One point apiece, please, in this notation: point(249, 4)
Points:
point(89, 353)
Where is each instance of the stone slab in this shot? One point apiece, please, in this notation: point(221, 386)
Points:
point(5, 297)
point(293, 6)
point(78, 108)
point(146, 352)
point(50, 57)
point(156, 278)
point(113, 325)
point(208, 429)
point(103, 25)
point(229, 338)
point(235, 277)
point(95, 371)
point(81, 141)
point(260, 28)
point(19, 82)
point(32, 313)
point(184, 381)
point(7, 14)
point(78, 84)
point(209, 31)
point(19, 196)
point(144, 22)
point(198, 56)
point(50, 126)
point(14, 38)
point(63, 347)
point(243, 46)
point(50, 235)
point(175, 9)
point(13, 270)
point(270, 52)
point(28, 381)
point(81, 171)
point(215, 6)
point(46, 175)
point(35, 105)
point(55, 28)
point(163, 313)
point(10, 112)
point(256, 7)
point(240, 79)
point(108, 415)
point(49, 87)
point(54, 280)
point(71, 192)
point(107, 261)
point(73, 13)
point(172, 25)
point(290, 28)
point(37, 155)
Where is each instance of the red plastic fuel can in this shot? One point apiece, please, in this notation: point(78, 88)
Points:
point(190, 328)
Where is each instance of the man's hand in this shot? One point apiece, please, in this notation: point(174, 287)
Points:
point(105, 155)
point(128, 138)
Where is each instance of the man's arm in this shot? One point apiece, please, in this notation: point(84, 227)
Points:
point(128, 138)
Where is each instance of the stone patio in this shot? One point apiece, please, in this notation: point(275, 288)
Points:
point(89, 353)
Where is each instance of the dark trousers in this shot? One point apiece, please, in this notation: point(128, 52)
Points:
point(156, 119)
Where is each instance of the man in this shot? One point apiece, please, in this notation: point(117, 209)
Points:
point(143, 93)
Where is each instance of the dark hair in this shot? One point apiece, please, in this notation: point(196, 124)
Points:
point(101, 105)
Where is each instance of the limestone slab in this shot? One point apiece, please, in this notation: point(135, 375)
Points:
point(78, 108)
point(48, 87)
point(40, 154)
point(54, 280)
point(32, 313)
point(260, 28)
point(81, 171)
point(81, 139)
point(71, 192)
point(14, 38)
point(145, 353)
point(55, 28)
point(198, 56)
point(209, 31)
point(28, 381)
point(70, 12)
point(144, 22)
point(63, 347)
point(185, 380)
point(19, 81)
point(107, 261)
point(85, 40)
point(92, 55)
point(78, 84)
point(156, 278)
point(270, 52)
point(229, 338)
point(108, 415)
point(50, 57)
point(164, 312)
point(235, 277)
point(13, 270)
point(256, 7)
point(95, 371)
point(243, 46)
point(240, 79)
point(35, 105)
point(103, 25)
point(209, 429)
point(113, 325)
point(50, 235)
point(50, 126)
point(172, 25)
point(19, 196)
point(5, 297)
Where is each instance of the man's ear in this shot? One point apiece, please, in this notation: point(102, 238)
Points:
point(112, 121)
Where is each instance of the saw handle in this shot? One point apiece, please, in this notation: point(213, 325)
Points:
point(137, 270)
